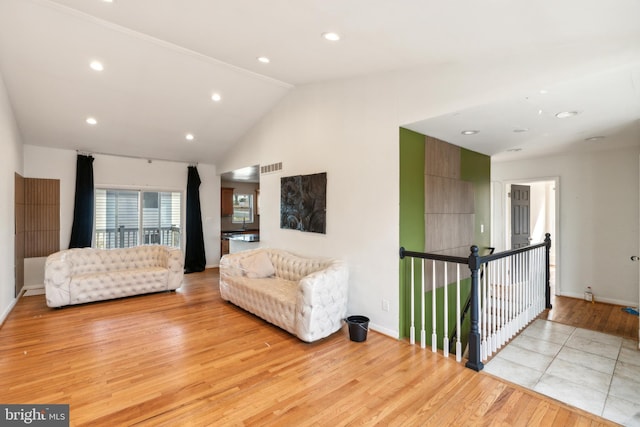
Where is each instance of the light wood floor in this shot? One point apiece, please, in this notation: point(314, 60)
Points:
point(188, 358)
point(597, 316)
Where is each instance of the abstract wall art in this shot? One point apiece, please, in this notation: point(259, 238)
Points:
point(303, 202)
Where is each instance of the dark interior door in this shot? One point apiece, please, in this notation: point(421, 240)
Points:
point(520, 216)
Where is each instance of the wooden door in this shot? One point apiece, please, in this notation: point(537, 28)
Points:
point(226, 201)
point(520, 216)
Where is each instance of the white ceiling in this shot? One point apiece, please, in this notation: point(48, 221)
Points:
point(164, 58)
point(607, 103)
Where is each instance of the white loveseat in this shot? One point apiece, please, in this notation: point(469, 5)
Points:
point(77, 276)
point(304, 296)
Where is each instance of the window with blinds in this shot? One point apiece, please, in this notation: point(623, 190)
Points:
point(125, 218)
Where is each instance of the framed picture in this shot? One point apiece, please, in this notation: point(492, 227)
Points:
point(303, 202)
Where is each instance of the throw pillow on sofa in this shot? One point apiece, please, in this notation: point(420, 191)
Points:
point(257, 266)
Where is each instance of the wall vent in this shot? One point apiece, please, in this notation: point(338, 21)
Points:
point(274, 167)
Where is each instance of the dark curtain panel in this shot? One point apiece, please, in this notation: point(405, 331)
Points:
point(195, 259)
point(82, 229)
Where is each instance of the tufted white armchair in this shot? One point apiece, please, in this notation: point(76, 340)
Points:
point(304, 296)
point(76, 276)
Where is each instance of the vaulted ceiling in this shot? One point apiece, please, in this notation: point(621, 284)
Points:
point(164, 59)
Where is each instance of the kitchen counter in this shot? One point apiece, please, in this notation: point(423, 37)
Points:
point(241, 231)
point(242, 242)
point(239, 240)
point(244, 237)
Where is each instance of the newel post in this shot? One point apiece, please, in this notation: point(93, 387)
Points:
point(547, 276)
point(475, 360)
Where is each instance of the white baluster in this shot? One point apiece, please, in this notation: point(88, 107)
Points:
point(494, 305)
point(412, 329)
point(518, 291)
point(458, 326)
point(434, 335)
point(503, 283)
point(445, 338)
point(514, 271)
point(423, 339)
point(483, 325)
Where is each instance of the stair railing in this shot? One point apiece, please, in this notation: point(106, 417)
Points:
point(467, 305)
point(508, 290)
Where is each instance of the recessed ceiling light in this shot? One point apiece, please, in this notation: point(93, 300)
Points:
point(514, 150)
point(520, 130)
point(539, 112)
point(543, 91)
point(189, 137)
point(216, 97)
point(595, 138)
point(91, 121)
point(469, 132)
point(565, 114)
point(96, 65)
point(108, 1)
point(264, 59)
point(332, 37)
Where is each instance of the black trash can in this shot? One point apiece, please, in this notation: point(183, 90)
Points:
point(358, 327)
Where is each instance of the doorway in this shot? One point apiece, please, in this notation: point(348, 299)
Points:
point(544, 209)
point(520, 197)
point(239, 209)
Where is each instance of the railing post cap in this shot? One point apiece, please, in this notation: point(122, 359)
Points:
point(474, 250)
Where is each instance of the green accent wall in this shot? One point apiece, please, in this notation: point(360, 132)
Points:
point(475, 168)
point(411, 212)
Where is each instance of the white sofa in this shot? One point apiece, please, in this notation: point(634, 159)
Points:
point(77, 276)
point(304, 296)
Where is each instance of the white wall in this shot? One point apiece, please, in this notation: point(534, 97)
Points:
point(349, 129)
point(598, 224)
point(334, 128)
point(122, 172)
point(10, 163)
point(48, 163)
point(538, 211)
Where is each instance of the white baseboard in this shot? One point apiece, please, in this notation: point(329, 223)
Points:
point(384, 331)
point(6, 313)
point(601, 299)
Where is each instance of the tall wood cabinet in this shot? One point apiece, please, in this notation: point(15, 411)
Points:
point(226, 201)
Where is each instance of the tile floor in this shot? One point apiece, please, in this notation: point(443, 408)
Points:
point(596, 372)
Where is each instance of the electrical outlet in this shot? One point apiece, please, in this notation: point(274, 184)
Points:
point(385, 305)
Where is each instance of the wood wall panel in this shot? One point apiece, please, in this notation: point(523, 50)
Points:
point(449, 205)
point(41, 243)
point(42, 191)
point(448, 231)
point(41, 217)
point(441, 158)
point(446, 195)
